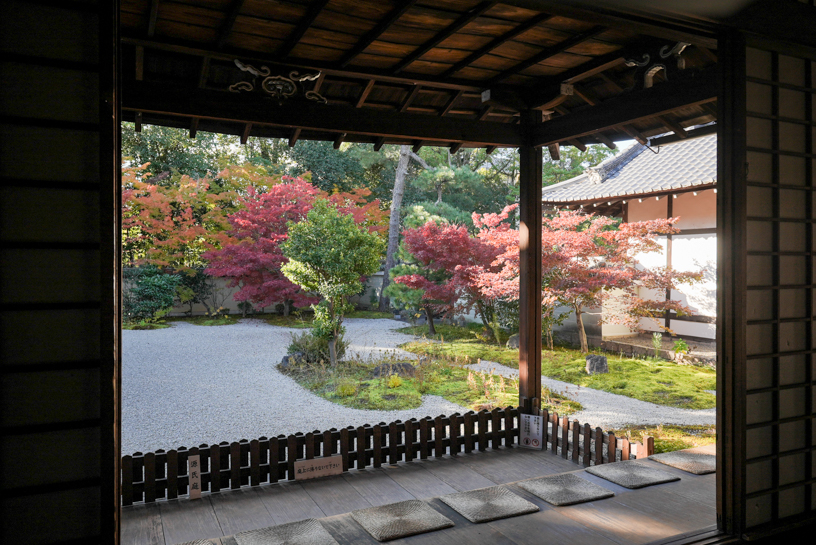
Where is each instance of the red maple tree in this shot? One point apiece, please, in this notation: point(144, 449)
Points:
point(588, 260)
point(449, 249)
point(251, 257)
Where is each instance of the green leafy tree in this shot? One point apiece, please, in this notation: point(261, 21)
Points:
point(329, 254)
point(573, 162)
point(332, 170)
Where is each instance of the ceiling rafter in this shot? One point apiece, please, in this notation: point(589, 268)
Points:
point(229, 22)
point(372, 35)
point(676, 128)
point(504, 38)
point(410, 98)
point(245, 133)
point(311, 14)
point(323, 67)
point(159, 99)
point(152, 18)
point(364, 94)
point(546, 53)
point(193, 127)
point(658, 100)
point(294, 138)
point(450, 103)
point(449, 31)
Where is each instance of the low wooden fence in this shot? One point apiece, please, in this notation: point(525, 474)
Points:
point(165, 475)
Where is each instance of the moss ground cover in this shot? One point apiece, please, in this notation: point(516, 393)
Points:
point(656, 381)
point(303, 319)
point(354, 384)
point(224, 319)
point(669, 438)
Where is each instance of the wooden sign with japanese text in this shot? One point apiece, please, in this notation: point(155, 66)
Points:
point(195, 476)
point(318, 467)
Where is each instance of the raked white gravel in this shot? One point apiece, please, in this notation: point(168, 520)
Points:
point(188, 385)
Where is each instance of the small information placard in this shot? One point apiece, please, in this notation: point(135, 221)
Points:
point(195, 476)
point(531, 434)
point(318, 467)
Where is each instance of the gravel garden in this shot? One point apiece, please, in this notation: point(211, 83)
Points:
point(193, 383)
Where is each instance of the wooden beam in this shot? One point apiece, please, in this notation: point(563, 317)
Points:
point(674, 127)
point(603, 139)
point(167, 100)
point(193, 127)
point(555, 151)
point(493, 44)
point(294, 138)
point(657, 100)
point(456, 96)
point(137, 121)
point(378, 144)
point(229, 22)
point(204, 74)
point(546, 89)
point(328, 68)
point(364, 94)
point(139, 63)
point(311, 14)
point(455, 147)
point(530, 174)
point(490, 149)
point(577, 143)
point(451, 29)
point(245, 134)
point(695, 133)
point(634, 134)
point(152, 18)
point(417, 146)
point(339, 140)
point(546, 53)
point(410, 98)
point(485, 111)
point(376, 32)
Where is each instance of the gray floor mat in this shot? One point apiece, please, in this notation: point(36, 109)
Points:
point(302, 532)
point(402, 519)
point(565, 489)
point(698, 463)
point(486, 504)
point(631, 474)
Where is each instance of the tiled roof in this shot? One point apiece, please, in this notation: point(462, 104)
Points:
point(637, 171)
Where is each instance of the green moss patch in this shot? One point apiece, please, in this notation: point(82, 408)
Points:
point(670, 438)
point(354, 384)
point(656, 381)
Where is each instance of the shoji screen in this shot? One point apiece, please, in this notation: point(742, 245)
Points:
point(780, 129)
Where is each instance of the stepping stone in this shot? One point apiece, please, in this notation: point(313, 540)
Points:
point(486, 504)
point(302, 532)
point(698, 463)
point(565, 489)
point(631, 474)
point(402, 519)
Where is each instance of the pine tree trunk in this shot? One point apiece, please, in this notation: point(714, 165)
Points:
point(394, 222)
point(581, 333)
point(429, 315)
point(286, 308)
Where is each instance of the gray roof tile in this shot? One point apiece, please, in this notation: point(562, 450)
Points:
point(638, 171)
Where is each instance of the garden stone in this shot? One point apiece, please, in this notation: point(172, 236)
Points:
point(596, 364)
point(513, 341)
point(291, 359)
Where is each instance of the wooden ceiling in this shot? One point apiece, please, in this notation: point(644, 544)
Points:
point(447, 73)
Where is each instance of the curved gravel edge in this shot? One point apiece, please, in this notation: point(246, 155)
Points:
point(609, 410)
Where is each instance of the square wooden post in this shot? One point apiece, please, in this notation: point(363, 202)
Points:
point(530, 271)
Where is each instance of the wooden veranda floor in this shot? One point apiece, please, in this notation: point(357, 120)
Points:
point(658, 513)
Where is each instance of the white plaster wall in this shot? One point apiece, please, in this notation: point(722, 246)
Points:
point(695, 253)
point(698, 212)
point(646, 208)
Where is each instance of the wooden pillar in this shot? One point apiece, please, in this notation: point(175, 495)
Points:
point(530, 272)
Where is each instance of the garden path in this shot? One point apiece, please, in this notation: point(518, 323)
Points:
point(609, 410)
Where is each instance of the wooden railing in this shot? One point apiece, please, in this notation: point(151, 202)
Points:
point(165, 475)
